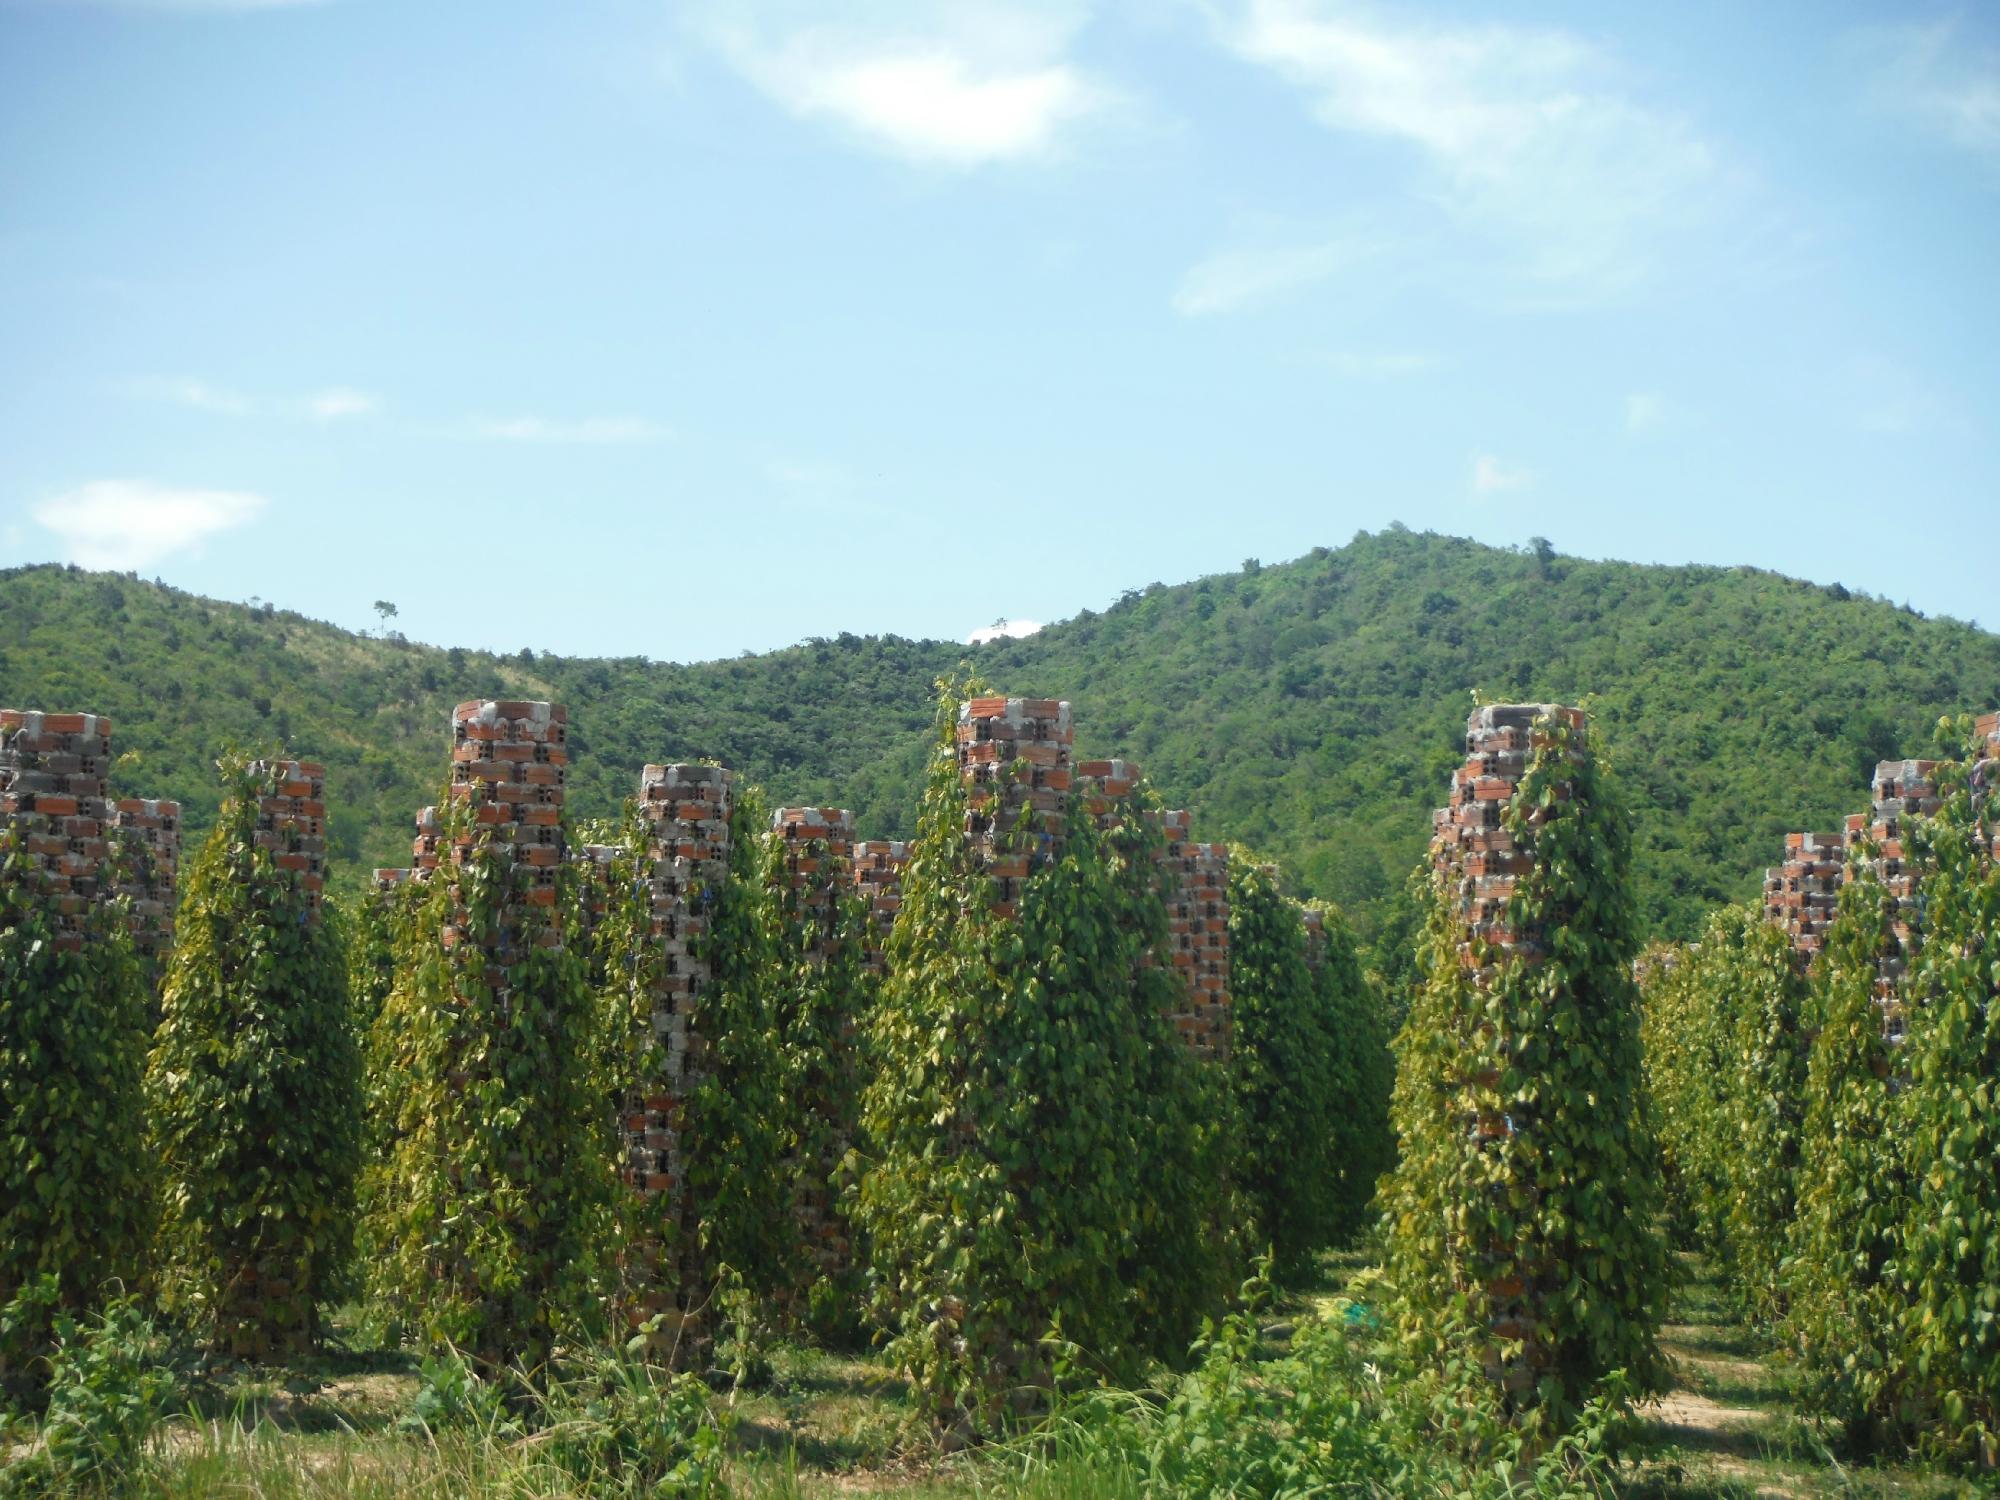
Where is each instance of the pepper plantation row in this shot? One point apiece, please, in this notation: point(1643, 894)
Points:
point(1823, 1079)
point(1024, 1100)
point(652, 1078)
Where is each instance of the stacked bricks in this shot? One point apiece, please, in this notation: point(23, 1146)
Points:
point(424, 853)
point(1103, 785)
point(1480, 862)
point(1198, 930)
point(1014, 757)
point(291, 822)
point(593, 862)
point(388, 878)
point(878, 874)
point(508, 763)
point(149, 834)
point(818, 847)
point(1986, 773)
point(1902, 791)
point(686, 809)
point(1801, 894)
point(52, 772)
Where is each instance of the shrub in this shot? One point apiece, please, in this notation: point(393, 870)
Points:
point(75, 1182)
point(1355, 1013)
point(254, 1085)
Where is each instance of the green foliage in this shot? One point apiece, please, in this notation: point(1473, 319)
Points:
point(105, 1386)
point(736, 1113)
point(1292, 707)
point(1725, 1060)
point(822, 994)
point(490, 1214)
point(75, 1180)
point(1852, 1183)
point(1949, 1261)
point(1562, 1204)
point(1005, 1196)
point(1285, 1070)
point(254, 1093)
point(1357, 1020)
point(602, 1424)
point(1327, 1416)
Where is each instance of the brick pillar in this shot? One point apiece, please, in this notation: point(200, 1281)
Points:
point(878, 874)
point(1103, 785)
point(686, 808)
point(148, 832)
point(291, 823)
point(1801, 894)
point(816, 874)
point(1902, 790)
point(1481, 862)
point(593, 864)
point(1986, 773)
point(52, 774)
point(818, 845)
point(1198, 929)
point(1014, 756)
point(424, 847)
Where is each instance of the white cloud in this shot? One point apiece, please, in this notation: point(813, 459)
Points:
point(1645, 412)
point(133, 523)
point(200, 395)
point(338, 401)
point(1351, 365)
point(1235, 279)
point(1003, 630)
point(1491, 477)
point(956, 85)
point(1943, 80)
point(1523, 135)
point(588, 431)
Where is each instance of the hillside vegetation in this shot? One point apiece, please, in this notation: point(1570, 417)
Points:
point(1312, 709)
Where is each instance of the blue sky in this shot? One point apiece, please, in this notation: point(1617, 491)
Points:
point(678, 330)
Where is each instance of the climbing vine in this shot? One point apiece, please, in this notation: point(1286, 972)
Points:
point(1557, 1204)
point(254, 1091)
point(75, 1183)
point(491, 1209)
point(1285, 1066)
point(1004, 1196)
point(1355, 1014)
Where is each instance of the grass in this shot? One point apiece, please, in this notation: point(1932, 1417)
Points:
point(829, 1423)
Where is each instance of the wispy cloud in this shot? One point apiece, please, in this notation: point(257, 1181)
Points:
point(134, 523)
point(1234, 279)
point(1523, 134)
point(955, 85)
point(1491, 477)
point(1945, 81)
point(1645, 412)
point(192, 7)
point(331, 404)
point(582, 431)
point(1350, 364)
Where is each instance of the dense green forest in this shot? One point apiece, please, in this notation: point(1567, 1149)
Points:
point(1312, 709)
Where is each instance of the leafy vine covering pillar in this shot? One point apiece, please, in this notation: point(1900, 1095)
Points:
point(148, 832)
point(489, 1209)
point(1198, 935)
point(1521, 1215)
point(73, 1027)
point(255, 1078)
point(1878, 841)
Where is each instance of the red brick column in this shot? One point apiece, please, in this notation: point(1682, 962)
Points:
point(291, 823)
point(1198, 928)
point(1014, 755)
point(1801, 894)
point(52, 791)
point(1480, 863)
point(686, 809)
point(1902, 790)
point(878, 874)
point(149, 833)
point(817, 873)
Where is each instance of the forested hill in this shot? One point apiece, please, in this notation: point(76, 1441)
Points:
point(1312, 709)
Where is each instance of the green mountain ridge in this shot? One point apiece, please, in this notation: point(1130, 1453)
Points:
point(1311, 709)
